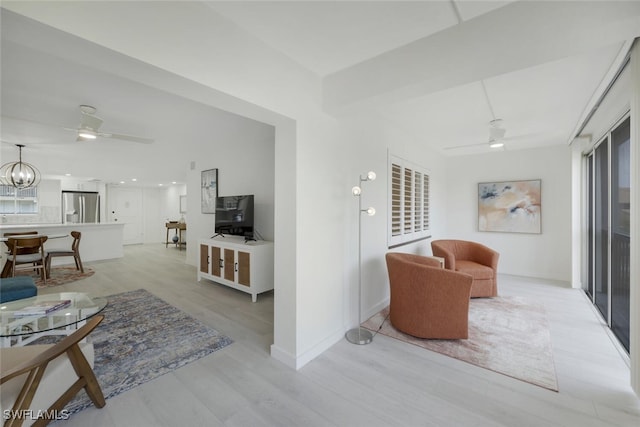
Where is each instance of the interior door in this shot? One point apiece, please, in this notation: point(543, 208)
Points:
point(125, 206)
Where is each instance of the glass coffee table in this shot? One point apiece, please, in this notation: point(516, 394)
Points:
point(18, 330)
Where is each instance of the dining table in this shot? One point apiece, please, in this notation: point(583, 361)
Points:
point(6, 270)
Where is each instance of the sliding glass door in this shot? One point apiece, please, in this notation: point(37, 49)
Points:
point(601, 228)
point(589, 284)
point(621, 231)
point(608, 229)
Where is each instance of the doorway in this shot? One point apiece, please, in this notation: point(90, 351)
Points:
point(124, 205)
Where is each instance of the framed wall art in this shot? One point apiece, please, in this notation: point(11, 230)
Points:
point(510, 206)
point(209, 190)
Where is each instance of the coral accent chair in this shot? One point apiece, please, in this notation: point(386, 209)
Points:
point(472, 258)
point(428, 301)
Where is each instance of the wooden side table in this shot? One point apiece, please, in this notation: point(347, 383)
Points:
point(178, 226)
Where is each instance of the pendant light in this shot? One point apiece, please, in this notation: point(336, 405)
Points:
point(19, 174)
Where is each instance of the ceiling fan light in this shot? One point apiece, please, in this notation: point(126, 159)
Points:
point(496, 144)
point(87, 134)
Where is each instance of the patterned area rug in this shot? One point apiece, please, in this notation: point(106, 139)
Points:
point(506, 335)
point(60, 276)
point(141, 338)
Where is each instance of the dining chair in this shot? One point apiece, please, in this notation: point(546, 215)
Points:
point(36, 377)
point(74, 252)
point(28, 251)
point(6, 270)
point(23, 233)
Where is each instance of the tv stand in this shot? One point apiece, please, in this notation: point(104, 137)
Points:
point(247, 267)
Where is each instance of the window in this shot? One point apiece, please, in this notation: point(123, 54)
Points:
point(18, 201)
point(408, 202)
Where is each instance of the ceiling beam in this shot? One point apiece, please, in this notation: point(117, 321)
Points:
point(517, 36)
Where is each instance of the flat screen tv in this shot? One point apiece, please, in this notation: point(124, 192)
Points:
point(234, 216)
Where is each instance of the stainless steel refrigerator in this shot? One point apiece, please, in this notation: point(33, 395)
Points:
point(80, 206)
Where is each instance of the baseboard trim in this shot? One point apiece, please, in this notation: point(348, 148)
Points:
point(298, 362)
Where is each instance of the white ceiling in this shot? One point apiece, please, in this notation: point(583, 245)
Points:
point(540, 84)
point(328, 36)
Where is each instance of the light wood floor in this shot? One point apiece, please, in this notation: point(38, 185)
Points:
point(386, 383)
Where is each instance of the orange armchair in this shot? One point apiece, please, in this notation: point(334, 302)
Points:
point(427, 301)
point(472, 258)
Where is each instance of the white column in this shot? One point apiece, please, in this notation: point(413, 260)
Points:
point(578, 231)
point(634, 345)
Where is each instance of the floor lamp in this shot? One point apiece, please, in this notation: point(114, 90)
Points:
point(360, 335)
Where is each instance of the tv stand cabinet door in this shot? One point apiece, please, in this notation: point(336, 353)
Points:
point(216, 261)
point(204, 259)
point(244, 268)
point(229, 265)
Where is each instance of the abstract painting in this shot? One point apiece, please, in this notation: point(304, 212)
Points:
point(510, 206)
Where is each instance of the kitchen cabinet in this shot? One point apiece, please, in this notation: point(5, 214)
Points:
point(230, 261)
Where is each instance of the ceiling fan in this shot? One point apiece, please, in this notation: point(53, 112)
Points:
point(496, 136)
point(90, 124)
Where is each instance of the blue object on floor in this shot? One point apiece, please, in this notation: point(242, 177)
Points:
point(14, 288)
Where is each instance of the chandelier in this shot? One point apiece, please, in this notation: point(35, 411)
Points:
point(19, 174)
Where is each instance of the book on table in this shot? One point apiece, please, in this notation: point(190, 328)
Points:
point(42, 308)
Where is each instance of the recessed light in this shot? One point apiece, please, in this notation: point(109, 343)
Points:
point(67, 174)
point(134, 179)
point(160, 185)
point(173, 182)
point(121, 182)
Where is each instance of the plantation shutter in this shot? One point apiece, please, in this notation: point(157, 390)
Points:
point(396, 199)
point(408, 212)
point(408, 202)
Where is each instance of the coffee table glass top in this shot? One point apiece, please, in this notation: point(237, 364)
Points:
point(82, 306)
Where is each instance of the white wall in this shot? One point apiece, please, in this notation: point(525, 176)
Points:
point(153, 229)
point(370, 140)
point(170, 202)
point(546, 255)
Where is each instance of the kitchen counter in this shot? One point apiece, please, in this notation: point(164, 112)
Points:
point(99, 240)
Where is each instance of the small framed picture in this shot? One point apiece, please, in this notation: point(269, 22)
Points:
point(209, 190)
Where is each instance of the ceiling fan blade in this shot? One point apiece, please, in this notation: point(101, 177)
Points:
point(457, 147)
point(131, 138)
